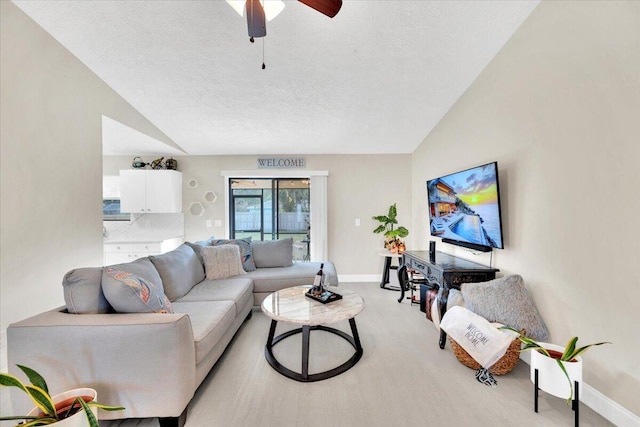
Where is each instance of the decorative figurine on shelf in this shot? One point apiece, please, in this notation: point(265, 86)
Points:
point(171, 164)
point(157, 163)
point(138, 163)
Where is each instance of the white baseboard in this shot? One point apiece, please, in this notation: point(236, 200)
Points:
point(608, 408)
point(601, 404)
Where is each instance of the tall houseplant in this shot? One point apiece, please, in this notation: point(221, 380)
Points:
point(564, 357)
point(392, 235)
point(47, 410)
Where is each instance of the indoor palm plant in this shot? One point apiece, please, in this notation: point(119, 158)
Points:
point(568, 362)
point(50, 410)
point(392, 235)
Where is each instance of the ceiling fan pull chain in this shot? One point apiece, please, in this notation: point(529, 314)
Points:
point(263, 65)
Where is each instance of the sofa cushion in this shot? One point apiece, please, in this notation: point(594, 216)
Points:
point(128, 293)
point(83, 291)
point(246, 251)
point(273, 253)
point(197, 248)
point(141, 267)
point(505, 300)
point(222, 262)
point(301, 273)
point(210, 320)
point(238, 289)
point(180, 269)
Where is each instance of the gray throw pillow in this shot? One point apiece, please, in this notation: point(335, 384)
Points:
point(128, 293)
point(505, 300)
point(246, 252)
point(273, 253)
point(179, 269)
point(222, 262)
point(83, 291)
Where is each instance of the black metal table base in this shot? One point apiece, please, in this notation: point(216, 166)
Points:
point(304, 375)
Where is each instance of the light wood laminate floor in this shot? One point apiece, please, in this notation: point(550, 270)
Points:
point(403, 379)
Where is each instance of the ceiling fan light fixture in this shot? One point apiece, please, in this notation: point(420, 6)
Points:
point(272, 8)
point(256, 24)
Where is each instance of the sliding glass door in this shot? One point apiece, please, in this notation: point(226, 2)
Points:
point(270, 209)
point(247, 218)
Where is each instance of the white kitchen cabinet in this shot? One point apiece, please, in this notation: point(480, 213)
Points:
point(150, 191)
point(121, 252)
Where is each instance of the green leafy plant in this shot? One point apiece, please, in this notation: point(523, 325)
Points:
point(38, 391)
point(571, 351)
point(387, 225)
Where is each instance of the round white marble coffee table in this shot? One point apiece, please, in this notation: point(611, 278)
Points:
point(292, 306)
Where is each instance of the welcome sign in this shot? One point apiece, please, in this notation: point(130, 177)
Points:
point(281, 162)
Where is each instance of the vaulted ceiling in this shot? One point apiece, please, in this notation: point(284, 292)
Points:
point(377, 78)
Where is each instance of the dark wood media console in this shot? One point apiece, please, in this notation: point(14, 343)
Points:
point(444, 270)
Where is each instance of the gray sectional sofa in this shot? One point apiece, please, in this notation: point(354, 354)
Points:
point(150, 363)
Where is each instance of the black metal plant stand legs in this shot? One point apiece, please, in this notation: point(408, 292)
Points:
point(575, 403)
point(304, 375)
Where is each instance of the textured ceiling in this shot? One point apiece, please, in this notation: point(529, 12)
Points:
point(375, 79)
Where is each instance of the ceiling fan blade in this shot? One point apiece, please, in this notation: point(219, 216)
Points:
point(256, 22)
point(326, 7)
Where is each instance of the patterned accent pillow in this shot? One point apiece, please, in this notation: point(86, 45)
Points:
point(246, 253)
point(128, 293)
point(222, 262)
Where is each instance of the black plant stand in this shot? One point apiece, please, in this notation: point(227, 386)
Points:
point(575, 403)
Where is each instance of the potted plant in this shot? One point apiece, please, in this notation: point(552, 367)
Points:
point(392, 235)
point(555, 363)
point(65, 409)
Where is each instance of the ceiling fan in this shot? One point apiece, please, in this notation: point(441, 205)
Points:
point(256, 21)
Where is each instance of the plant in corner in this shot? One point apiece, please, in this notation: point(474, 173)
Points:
point(392, 236)
point(47, 411)
point(562, 356)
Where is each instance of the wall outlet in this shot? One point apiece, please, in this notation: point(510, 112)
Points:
point(218, 222)
point(357, 222)
point(208, 223)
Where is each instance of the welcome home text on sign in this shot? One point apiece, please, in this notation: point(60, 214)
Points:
point(281, 162)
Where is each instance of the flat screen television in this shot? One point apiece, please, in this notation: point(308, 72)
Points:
point(464, 208)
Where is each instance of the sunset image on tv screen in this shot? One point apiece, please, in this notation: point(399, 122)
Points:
point(465, 206)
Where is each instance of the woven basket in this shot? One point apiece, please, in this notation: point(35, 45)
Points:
point(504, 365)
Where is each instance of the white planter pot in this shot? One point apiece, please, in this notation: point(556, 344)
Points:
point(80, 418)
point(551, 379)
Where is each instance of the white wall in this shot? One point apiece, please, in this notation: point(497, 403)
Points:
point(559, 109)
point(359, 186)
point(51, 164)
